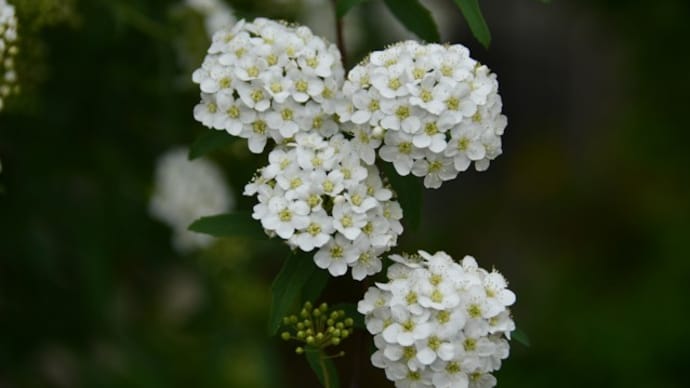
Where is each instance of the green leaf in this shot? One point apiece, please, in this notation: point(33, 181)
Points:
point(415, 18)
point(287, 287)
point(521, 337)
point(209, 141)
point(473, 15)
point(314, 286)
point(323, 367)
point(409, 191)
point(343, 6)
point(226, 225)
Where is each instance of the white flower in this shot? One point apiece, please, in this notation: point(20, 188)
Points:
point(184, 191)
point(435, 169)
point(336, 255)
point(399, 150)
point(316, 234)
point(285, 216)
point(432, 330)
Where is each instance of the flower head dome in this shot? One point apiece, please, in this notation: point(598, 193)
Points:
point(316, 194)
point(268, 80)
point(439, 323)
point(435, 109)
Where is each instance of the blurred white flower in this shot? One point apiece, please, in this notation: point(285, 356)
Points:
point(8, 51)
point(184, 191)
point(217, 14)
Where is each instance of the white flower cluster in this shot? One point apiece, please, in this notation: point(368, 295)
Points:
point(435, 109)
point(316, 194)
point(265, 79)
point(8, 50)
point(437, 323)
point(216, 13)
point(184, 191)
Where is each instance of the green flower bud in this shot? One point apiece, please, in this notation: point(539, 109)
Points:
point(323, 307)
point(299, 350)
point(285, 335)
point(349, 322)
point(301, 335)
point(310, 340)
point(335, 341)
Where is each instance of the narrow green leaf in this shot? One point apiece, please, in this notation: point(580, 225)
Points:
point(226, 225)
point(521, 337)
point(344, 6)
point(323, 367)
point(209, 141)
point(409, 191)
point(287, 287)
point(415, 18)
point(314, 286)
point(351, 311)
point(473, 15)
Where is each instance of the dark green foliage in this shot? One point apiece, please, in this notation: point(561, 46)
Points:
point(416, 18)
point(229, 225)
point(287, 287)
point(473, 16)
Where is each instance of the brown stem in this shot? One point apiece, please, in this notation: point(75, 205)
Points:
point(340, 39)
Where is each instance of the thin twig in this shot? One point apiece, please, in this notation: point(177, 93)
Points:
point(326, 377)
point(340, 38)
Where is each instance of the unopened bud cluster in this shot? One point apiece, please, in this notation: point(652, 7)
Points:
point(317, 327)
point(8, 51)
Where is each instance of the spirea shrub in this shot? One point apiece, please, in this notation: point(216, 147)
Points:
point(8, 51)
point(438, 323)
point(430, 110)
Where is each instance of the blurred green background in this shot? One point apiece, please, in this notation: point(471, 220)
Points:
point(587, 213)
